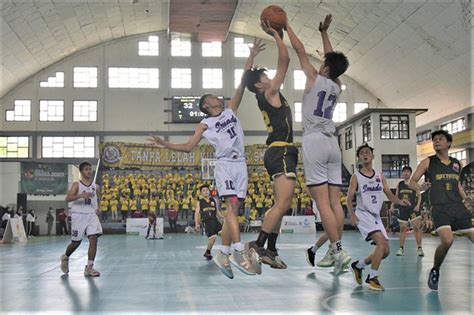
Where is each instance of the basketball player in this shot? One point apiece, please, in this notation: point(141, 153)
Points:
point(447, 198)
point(151, 224)
point(281, 157)
point(369, 185)
point(223, 130)
point(410, 214)
point(206, 212)
point(84, 218)
point(323, 167)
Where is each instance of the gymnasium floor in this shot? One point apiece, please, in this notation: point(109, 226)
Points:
point(170, 276)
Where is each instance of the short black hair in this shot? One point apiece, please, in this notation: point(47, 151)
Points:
point(84, 164)
point(408, 168)
point(202, 101)
point(365, 145)
point(252, 76)
point(204, 186)
point(337, 63)
point(446, 134)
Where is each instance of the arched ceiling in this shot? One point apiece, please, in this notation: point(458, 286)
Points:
point(408, 54)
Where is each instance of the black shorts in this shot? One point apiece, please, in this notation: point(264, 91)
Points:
point(407, 214)
point(455, 215)
point(281, 160)
point(212, 227)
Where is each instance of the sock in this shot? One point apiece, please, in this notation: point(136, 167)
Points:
point(372, 273)
point(361, 264)
point(262, 238)
point(336, 247)
point(419, 247)
point(314, 249)
point(238, 246)
point(90, 263)
point(271, 242)
point(225, 250)
point(401, 247)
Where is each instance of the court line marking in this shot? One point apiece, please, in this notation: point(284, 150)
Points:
point(325, 302)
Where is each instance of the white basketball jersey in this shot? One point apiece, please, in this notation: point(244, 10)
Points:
point(225, 133)
point(82, 205)
point(369, 192)
point(318, 106)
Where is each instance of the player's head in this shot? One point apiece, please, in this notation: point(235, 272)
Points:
point(335, 63)
point(365, 153)
point(406, 172)
point(442, 140)
point(211, 105)
point(205, 191)
point(256, 79)
point(85, 168)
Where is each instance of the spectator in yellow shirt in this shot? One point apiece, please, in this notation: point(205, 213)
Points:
point(253, 214)
point(144, 205)
point(153, 204)
point(104, 207)
point(124, 207)
point(114, 208)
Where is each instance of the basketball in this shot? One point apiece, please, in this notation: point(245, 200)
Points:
point(276, 15)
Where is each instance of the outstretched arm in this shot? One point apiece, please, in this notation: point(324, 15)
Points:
point(183, 147)
point(391, 196)
point(323, 28)
point(239, 92)
point(350, 197)
point(283, 58)
point(420, 170)
point(308, 69)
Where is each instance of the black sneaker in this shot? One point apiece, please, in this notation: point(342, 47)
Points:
point(374, 284)
point(433, 279)
point(310, 256)
point(208, 255)
point(357, 272)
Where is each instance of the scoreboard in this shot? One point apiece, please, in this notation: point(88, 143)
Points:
point(185, 109)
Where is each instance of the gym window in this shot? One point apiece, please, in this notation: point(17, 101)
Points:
point(145, 78)
point(298, 112)
point(212, 49)
point(454, 125)
point(392, 165)
point(56, 81)
point(181, 78)
point(21, 111)
point(299, 79)
point(68, 147)
point(180, 45)
point(51, 110)
point(84, 111)
point(340, 112)
point(212, 78)
point(85, 77)
point(461, 156)
point(14, 147)
point(149, 47)
point(394, 127)
point(241, 48)
point(366, 130)
point(348, 138)
point(423, 136)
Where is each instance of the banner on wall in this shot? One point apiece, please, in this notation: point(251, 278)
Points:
point(134, 155)
point(44, 178)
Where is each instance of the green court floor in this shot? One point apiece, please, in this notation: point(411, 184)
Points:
point(171, 276)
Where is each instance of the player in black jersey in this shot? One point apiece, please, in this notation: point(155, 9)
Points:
point(446, 197)
point(207, 213)
point(281, 157)
point(410, 213)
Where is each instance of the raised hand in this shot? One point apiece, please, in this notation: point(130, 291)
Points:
point(257, 47)
point(323, 26)
point(155, 141)
point(265, 25)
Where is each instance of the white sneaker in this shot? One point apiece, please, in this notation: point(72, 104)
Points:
point(91, 272)
point(400, 252)
point(420, 252)
point(327, 261)
point(341, 261)
point(64, 264)
point(243, 261)
point(222, 262)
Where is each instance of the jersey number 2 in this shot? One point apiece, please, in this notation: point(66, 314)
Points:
point(328, 111)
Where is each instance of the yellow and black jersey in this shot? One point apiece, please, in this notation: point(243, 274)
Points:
point(279, 121)
point(444, 181)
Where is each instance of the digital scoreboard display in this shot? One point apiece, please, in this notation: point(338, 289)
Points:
point(185, 109)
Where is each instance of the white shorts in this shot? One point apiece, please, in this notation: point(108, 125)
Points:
point(84, 223)
point(231, 178)
point(369, 223)
point(321, 160)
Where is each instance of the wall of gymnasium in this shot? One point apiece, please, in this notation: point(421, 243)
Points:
point(142, 110)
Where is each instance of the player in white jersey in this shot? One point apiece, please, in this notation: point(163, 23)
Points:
point(369, 184)
point(224, 131)
point(84, 218)
point(322, 167)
